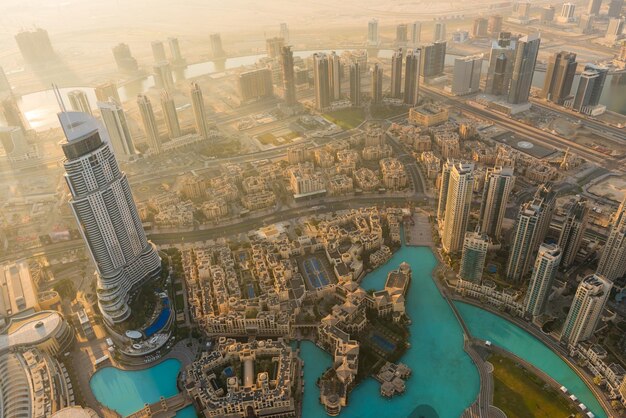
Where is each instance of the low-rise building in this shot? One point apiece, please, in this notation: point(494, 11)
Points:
point(428, 115)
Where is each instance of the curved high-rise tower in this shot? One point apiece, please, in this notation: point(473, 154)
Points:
point(107, 216)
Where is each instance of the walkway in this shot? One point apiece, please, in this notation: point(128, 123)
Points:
point(163, 408)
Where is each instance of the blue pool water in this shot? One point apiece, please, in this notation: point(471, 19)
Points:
point(188, 412)
point(487, 326)
point(127, 391)
point(383, 343)
point(315, 274)
point(161, 320)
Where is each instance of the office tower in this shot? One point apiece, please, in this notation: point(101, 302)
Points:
point(590, 88)
point(615, 8)
point(321, 81)
point(149, 123)
point(14, 142)
point(416, 33)
point(107, 217)
point(573, 230)
point(396, 74)
point(163, 78)
point(355, 84)
point(586, 310)
point(475, 246)
point(533, 221)
point(5, 86)
point(446, 168)
point(481, 28)
point(559, 77)
point(458, 202)
point(542, 278)
point(586, 23)
point(439, 32)
point(158, 51)
point(433, 58)
point(335, 71)
point(35, 46)
point(499, 183)
point(402, 34)
point(289, 82)
point(372, 32)
point(284, 32)
point(170, 115)
point(547, 14)
point(107, 91)
point(256, 84)
point(494, 26)
point(274, 46)
point(177, 57)
point(521, 10)
point(199, 114)
point(411, 77)
point(124, 59)
point(79, 101)
point(114, 120)
point(612, 263)
point(567, 13)
point(594, 7)
point(13, 115)
point(216, 46)
point(615, 29)
point(466, 79)
point(523, 68)
point(377, 83)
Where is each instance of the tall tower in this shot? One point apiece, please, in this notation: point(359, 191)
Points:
point(433, 58)
point(289, 82)
point(546, 266)
point(355, 84)
point(402, 32)
point(559, 77)
point(411, 77)
point(372, 32)
point(500, 65)
point(170, 115)
point(612, 263)
point(199, 114)
point(524, 68)
point(149, 123)
point(216, 46)
point(79, 101)
point(158, 51)
point(416, 33)
point(615, 8)
point(284, 32)
point(274, 46)
point(107, 91)
point(114, 120)
point(475, 246)
point(458, 204)
point(177, 58)
point(107, 217)
point(396, 74)
point(480, 29)
point(124, 59)
point(594, 7)
point(466, 79)
point(499, 182)
point(321, 79)
point(13, 115)
point(443, 191)
point(573, 230)
point(377, 83)
point(590, 88)
point(586, 310)
point(163, 76)
point(335, 71)
point(439, 33)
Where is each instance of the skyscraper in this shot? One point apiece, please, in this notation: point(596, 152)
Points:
point(355, 84)
point(475, 246)
point(372, 32)
point(124, 59)
point(107, 217)
point(524, 68)
point(149, 123)
point(547, 14)
point(14, 142)
point(411, 77)
point(466, 78)
point(274, 46)
point(163, 78)
point(531, 228)
point(289, 82)
point(377, 83)
point(615, 29)
point(500, 65)
point(335, 72)
point(481, 28)
point(612, 263)
point(114, 120)
point(494, 25)
point(546, 266)
point(35, 46)
point(396, 74)
point(416, 33)
point(589, 89)
point(567, 13)
point(177, 60)
point(573, 230)
point(13, 115)
point(594, 7)
point(79, 101)
point(256, 84)
point(433, 58)
point(499, 182)
point(439, 32)
point(443, 191)
point(402, 34)
point(559, 77)
point(615, 8)
point(216, 46)
point(521, 10)
point(321, 81)
point(107, 91)
point(284, 32)
point(199, 114)
point(158, 51)
point(458, 202)
point(170, 115)
point(586, 310)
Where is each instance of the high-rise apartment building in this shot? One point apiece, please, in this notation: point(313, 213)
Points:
point(35, 46)
point(289, 82)
point(124, 59)
point(586, 310)
point(13, 115)
point(355, 84)
point(163, 78)
point(559, 77)
point(169, 114)
point(377, 84)
point(521, 10)
point(402, 34)
point(615, 29)
point(256, 84)
point(411, 77)
point(274, 46)
point(523, 68)
point(542, 279)
point(458, 202)
point(114, 120)
point(199, 113)
point(573, 230)
point(567, 13)
point(466, 75)
point(416, 33)
point(494, 25)
point(615, 8)
point(79, 101)
point(177, 60)
point(475, 247)
point(372, 33)
point(439, 32)
point(216, 46)
point(612, 263)
point(433, 58)
point(150, 126)
point(501, 65)
point(107, 91)
point(335, 73)
point(546, 15)
point(499, 183)
point(594, 7)
point(321, 81)
point(158, 51)
point(481, 28)
point(107, 217)
point(589, 90)
point(284, 32)
point(396, 73)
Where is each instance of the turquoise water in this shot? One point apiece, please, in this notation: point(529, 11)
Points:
point(127, 391)
point(187, 412)
point(487, 326)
